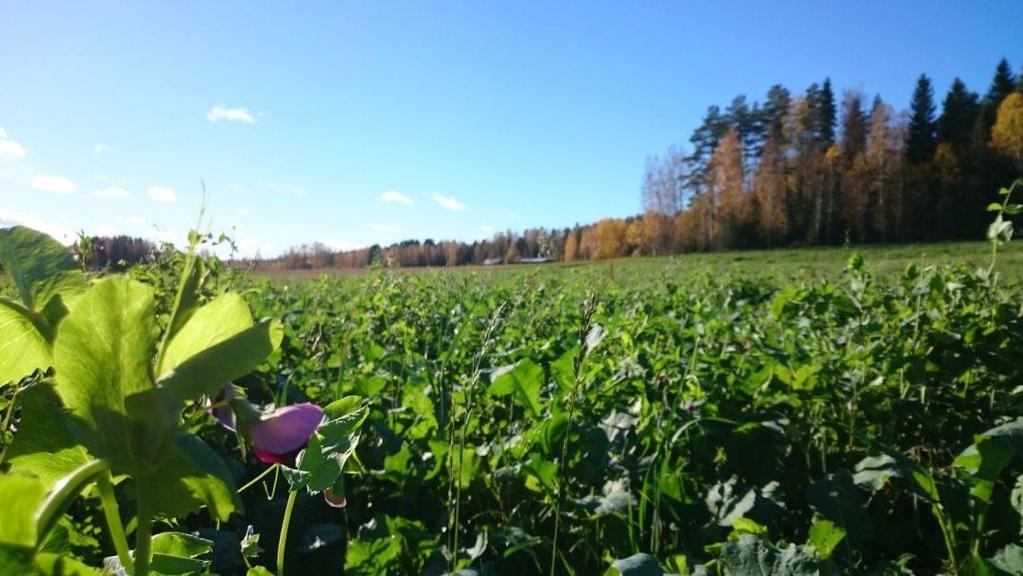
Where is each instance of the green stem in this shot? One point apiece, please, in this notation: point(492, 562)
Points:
point(258, 478)
point(143, 538)
point(64, 492)
point(284, 531)
point(113, 517)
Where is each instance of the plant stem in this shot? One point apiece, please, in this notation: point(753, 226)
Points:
point(258, 478)
point(284, 531)
point(143, 538)
point(64, 492)
point(113, 517)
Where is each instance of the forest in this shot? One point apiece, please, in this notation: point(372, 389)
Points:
point(798, 169)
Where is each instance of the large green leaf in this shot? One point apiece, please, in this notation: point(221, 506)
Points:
point(990, 453)
point(523, 381)
point(39, 266)
point(192, 475)
point(45, 446)
point(208, 370)
point(23, 498)
point(211, 324)
point(837, 499)
point(23, 348)
point(102, 358)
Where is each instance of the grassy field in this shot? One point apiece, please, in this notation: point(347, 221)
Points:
point(780, 263)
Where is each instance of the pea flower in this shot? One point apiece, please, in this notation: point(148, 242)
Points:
point(279, 436)
point(276, 436)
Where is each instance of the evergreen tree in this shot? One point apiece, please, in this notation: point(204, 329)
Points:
point(854, 126)
point(1003, 84)
point(959, 113)
point(773, 113)
point(922, 139)
point(826, 114)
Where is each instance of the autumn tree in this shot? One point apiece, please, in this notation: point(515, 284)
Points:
point(736, 209)
point(1007, 133)
point(769, 196)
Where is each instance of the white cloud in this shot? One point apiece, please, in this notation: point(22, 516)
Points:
point(449, 202)
point(101, 148)
point(14, 219)
point(135, 220)
point(289, 188)
point(111, 192)
point(222, 112)
point(384, 227)
point(55, 184)
point(486, 229)
point(342, 245)
point(395, 197)
point(10, 147)
point(162, 194)
point(241, 212)
point(107, 230)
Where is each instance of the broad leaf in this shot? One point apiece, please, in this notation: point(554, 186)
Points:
point(192, 475)
point(45, 446)
point(23, 498)
point(39, 266)
point(23, 348)
point(522, 381)
point(749, 556)
point(102, 358)
point(635, 565)
point(176, 553)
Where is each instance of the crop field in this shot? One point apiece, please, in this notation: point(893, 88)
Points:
point(795, 412)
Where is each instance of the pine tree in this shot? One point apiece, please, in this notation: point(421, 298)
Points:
point(922, 139)
point(1003, 84)
point(826, 114)
point(959, 112)
point(854, 126)
point(773, 113)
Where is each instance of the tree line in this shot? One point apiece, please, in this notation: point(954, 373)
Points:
point(812, 168)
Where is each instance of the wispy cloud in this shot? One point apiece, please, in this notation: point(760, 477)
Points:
point(111, 192)
point(107, 230)
point(101, 148)
point(384, 227)
point(162, 194)
point(55, 184)
point(395, 197)
point(221, 112)
point(10, 147)
point(487, 229)
point(135, 220)
point(449, 202)
point(289, 188)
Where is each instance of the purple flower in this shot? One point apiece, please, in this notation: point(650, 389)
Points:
point(280, 435)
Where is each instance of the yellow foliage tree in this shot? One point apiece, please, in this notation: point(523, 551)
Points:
point(1007, 133)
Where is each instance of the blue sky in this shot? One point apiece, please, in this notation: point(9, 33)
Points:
point(352, 123)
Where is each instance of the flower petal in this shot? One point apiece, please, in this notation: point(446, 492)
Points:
point(285, 430)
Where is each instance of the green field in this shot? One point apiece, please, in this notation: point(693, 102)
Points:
point(793, 412)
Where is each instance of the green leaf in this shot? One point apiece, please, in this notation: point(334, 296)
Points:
point(38, 266)
point(994, 207)
point(102, 358)
point(523, 381)
point(825, 535)
point(635, 565)
point(176, 553)
point(23, 499)
point(728, 502)
point(837, 499)
point(192, 475)
point(749, 556)
point(45, 445)
point(50, 563)
point(23, 348)
point(334, 441)
point(213, 323)
point(1009, 560)
point(259, 571)
point(231, 358)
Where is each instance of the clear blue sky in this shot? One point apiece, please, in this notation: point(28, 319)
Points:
point(519, 113)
